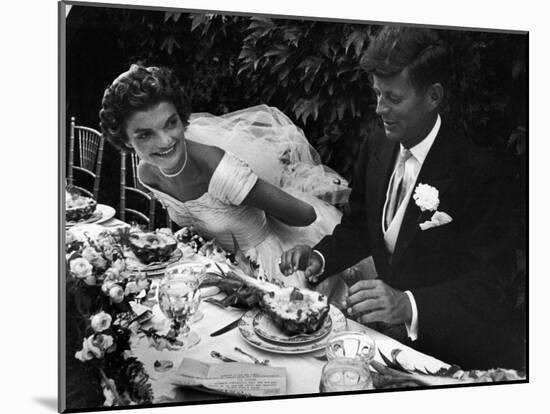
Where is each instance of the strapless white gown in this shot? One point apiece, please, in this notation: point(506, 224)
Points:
point(259, 142)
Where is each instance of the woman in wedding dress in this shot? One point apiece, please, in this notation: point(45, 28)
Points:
point(250, 173)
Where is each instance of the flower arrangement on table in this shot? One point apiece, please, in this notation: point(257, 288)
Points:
point(100, 321)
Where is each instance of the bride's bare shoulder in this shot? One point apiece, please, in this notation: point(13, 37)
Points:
point(209, 155)
point(147, 173)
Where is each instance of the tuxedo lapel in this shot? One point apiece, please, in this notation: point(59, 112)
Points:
point(436, 172)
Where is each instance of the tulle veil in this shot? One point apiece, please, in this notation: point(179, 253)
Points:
point(275, 148)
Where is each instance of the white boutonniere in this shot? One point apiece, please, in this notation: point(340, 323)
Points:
point(427, 198)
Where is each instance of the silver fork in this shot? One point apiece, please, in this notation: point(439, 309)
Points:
point(252, 357)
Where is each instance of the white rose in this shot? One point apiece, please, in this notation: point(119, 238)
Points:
point(142, 284)
point(89, 350)
point(83, 355)
point(99, 262)
point(81, 268)
point(90, 254)
point(116, 293)
point(119, 265)
point(111, 274)
point(426, 197)
point(105, 242)
point(131, 287)
point(95, 346)
point(107, 285)
point(101, 321)
point(104, 342)
point(109, 397)
point(70, 237)
point(109, 253)
point(94, 257)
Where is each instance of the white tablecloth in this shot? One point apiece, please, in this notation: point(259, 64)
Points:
point(303, 371)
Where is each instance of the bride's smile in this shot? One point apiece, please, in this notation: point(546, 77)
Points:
point(166, 153)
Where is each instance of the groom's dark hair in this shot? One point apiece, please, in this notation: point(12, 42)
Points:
point(421, 51)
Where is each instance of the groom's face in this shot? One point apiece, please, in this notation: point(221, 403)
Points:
point(408, 114)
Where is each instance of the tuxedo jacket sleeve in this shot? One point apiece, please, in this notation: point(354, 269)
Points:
point(349, 242)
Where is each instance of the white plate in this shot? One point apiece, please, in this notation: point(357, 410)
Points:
point(339, 323)
point(101, 214)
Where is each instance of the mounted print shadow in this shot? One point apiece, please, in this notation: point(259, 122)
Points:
point(262, 207)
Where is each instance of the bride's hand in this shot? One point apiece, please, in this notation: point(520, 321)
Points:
point(300, 257)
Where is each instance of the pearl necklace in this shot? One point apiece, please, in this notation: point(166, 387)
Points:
point(182, 166)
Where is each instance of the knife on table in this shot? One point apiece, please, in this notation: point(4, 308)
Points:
point(227, 328)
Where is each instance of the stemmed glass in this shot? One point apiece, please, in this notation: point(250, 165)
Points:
point(199, 270)
point(179, 298)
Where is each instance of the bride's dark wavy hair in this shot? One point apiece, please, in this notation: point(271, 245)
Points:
point(421, 51)
point(139, 89)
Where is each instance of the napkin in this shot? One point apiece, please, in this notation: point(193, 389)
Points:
point(232, 378)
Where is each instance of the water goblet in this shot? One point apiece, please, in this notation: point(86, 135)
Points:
point(179, 298)
point(199, 270)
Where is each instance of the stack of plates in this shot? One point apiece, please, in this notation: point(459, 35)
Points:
point(258, 329)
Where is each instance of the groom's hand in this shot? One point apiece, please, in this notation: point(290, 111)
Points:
point(300, 257)
point(375, 301)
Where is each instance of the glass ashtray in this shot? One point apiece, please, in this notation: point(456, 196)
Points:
point(351, 344)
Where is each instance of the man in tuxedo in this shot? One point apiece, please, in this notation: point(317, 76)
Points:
point(431, 210)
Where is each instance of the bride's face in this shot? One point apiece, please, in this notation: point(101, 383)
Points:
point(157, 136)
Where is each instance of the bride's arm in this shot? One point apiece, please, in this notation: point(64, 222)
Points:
point(280, 204)
point(230, 177)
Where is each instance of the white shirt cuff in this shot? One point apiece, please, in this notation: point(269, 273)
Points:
point(412, 328)
point(313, 278)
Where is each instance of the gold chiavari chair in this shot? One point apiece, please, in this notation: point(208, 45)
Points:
point(90, 144)
point(140, 195)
